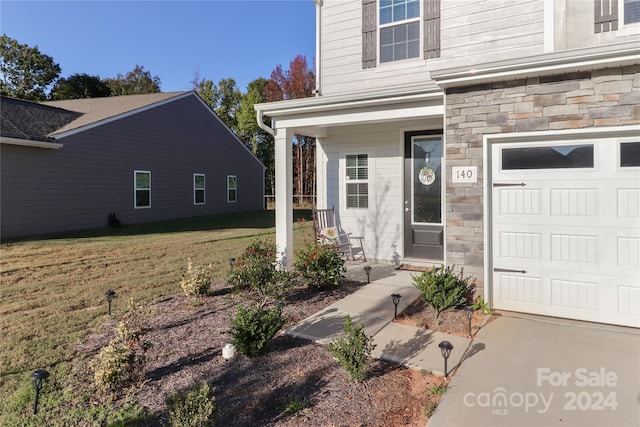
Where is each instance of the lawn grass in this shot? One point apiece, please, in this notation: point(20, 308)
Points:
point(53, 287)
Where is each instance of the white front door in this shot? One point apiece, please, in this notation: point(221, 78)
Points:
point(565, 226)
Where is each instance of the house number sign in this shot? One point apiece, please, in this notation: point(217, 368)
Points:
point(464, 174)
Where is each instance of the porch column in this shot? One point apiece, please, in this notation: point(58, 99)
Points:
point(284, 196)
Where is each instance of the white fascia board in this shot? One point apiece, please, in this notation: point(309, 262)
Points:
point(30, 143)
point(351, 100)
point(565, 134)
point(544, 65)
point(361, 117)
point(119, 116)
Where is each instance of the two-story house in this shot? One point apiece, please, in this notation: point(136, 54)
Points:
point(502, 137)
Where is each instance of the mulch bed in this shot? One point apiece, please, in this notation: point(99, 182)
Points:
point(187, 347)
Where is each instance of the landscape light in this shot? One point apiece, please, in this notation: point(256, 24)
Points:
point(469, 310)
point(110, 294)
point(367, 269)
point(38, 378)
point(396, 300)
point(232, 261)
point(445, 348)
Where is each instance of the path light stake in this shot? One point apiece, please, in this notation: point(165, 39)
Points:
point(445, 348)
point(110, 294)
point(469, 309)
point(38, 379)
point(396, 300)
point(232, 261)
point(367, 269)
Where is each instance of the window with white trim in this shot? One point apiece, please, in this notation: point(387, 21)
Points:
point(357, 181)
point(142, 189)
point(232, 188)
point(399, 29)
point(198, 189)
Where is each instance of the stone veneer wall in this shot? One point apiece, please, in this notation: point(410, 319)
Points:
point(608, 97)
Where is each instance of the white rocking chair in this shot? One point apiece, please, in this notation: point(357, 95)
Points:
point(328, 233)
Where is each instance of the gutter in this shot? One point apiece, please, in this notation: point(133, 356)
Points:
point(30, 143)
point(262, 124)
point(565, 61)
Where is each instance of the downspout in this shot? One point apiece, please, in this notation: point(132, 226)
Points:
point(318, 61)
point(262, 125)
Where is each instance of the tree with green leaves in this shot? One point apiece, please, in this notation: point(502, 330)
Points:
point(78, 86)
point(25, 72)
point(223, 98)
point(135, 82)
point(259, 141)
point(296, 82)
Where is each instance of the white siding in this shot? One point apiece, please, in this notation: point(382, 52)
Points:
point(342, 55)
point(480, 31)
point(381, 224)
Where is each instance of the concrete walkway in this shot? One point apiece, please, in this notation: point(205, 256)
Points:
point(372, 305)
point(540, 371)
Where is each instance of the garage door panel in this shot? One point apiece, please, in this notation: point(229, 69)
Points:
point(566, 242)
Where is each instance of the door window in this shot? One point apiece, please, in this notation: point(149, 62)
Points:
point(427, 180)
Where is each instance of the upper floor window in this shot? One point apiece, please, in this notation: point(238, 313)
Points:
point(399, 29)
point(394, 30)
point(631, 11)
point(142, 189)
point(198, 189)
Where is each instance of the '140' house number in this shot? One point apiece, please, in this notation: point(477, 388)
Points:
point(464, 173)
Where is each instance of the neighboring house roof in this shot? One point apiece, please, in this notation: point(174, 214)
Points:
point(96, 110)
point(30, 121)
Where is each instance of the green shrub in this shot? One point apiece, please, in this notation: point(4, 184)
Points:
point(296, 406)
point(121, 362)
point(322, 266)
point(353, 350)
point(254, 328)
point(256, 270)
point(196, 280)
point(481, 304)
point(195, 408)
point(442, 289)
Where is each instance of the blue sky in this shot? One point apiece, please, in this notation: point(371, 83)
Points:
point(241, 39)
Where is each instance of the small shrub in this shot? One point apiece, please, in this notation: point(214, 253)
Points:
point(481, 304)
point(438, 390)
point(296, 406)
point(430, 408)
point(196, 280)
point(256, 270)
point(322, 266)
point(353, 350)
point(254, 328)
point(121, 362)
point(442, 289)
point(195, 408)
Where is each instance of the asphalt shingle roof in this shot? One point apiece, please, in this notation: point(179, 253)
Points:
point(96, 109)
point(32, 121)
point(42, 121)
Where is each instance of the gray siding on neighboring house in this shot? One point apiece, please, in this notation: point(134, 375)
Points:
point(77, 186)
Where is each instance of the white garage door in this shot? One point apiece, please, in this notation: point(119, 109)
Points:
point(565, 226)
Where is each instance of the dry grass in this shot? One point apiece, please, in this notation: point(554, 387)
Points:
point(52, 288)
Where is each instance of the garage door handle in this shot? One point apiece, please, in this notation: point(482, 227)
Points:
point(509, 184)
point(508, 270)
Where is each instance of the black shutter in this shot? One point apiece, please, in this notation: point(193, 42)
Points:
point(369, 31)
point(431, 29)
point(605, 15)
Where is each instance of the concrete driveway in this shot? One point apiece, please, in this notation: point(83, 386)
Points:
point(535, 372)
